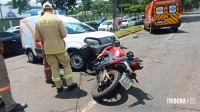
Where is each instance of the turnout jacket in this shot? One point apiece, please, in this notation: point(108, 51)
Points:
point(50, 30)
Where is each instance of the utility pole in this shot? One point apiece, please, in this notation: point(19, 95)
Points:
point(114, 10)
point(2, 18)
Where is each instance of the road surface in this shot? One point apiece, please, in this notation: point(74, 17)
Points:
point(169, 81)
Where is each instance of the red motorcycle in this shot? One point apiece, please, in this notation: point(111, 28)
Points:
point(111, 66)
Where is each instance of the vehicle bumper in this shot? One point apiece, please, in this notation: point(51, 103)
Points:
point(166, 26)
point(24, 50)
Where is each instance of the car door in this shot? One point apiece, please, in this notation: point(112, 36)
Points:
point(8, 43)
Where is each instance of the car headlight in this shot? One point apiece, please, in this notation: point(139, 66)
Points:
point(91, 42)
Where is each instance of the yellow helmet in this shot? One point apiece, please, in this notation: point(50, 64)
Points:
point(47, 5)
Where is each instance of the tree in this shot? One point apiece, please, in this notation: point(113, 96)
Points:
point(9, 3)
point(86, 4)
point(134, 9)
point(195, 3)
point(99, 7)
point(127, 4)
point(22, 5)
point(61, 4)
point(76, 10)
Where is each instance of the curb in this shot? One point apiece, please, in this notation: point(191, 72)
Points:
point(129, 34)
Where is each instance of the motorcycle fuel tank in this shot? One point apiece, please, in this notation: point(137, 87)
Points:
point(117, 52)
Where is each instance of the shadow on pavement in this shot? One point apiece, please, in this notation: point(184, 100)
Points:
point(139, 95)
point(77, 93)
point(122, 97)
point(167, 31)
point(2, 109)
point(11, 56)
point(181, 31)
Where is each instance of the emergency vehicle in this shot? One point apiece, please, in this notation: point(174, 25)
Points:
point(162, 13)
point(77, 32)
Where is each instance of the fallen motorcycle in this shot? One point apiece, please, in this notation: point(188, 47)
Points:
point(111, 66)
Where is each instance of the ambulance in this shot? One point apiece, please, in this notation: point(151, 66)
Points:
point(161, 14)
point(77, 32)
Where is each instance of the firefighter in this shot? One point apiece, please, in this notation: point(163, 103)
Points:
point(50, 30)
point(6, 98)
point(47, 67)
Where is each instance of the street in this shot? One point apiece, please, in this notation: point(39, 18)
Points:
point(170, 74)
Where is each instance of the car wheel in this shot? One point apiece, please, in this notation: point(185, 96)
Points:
point(175, 29)
point(77, 61)
point(18, 49)
point(151, 30)
point(145, 28)
point(31, 56)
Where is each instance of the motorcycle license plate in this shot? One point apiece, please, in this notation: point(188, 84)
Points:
point(125, 81)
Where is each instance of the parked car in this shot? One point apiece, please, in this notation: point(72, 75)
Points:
point(128, 22)
point(15, 29)
point(106, 26)
point(101, 20)
point(97, 23)
point(77, 32)
point(93, 24)
point(140, 20)
point(12, 43)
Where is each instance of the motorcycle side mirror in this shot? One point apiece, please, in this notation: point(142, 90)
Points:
point(117, 43)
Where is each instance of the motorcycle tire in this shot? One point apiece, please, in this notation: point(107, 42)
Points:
point(108, 91)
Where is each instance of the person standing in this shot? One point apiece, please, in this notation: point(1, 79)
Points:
point(6, 98)
point(50, 30)
point(47, 67)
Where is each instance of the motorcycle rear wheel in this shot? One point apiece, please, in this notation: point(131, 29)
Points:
point(107, 91)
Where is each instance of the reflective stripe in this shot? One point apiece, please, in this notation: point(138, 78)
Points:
point(57, 79)
point(4, 88)
point(65, 55)
point(55, 51)
point(68, 76)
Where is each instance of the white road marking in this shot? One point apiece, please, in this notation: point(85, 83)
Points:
point(89, 106)
point(167, 38)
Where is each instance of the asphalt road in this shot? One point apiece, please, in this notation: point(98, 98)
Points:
point(170, 74)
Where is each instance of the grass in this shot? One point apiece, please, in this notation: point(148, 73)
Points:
point(128, 30)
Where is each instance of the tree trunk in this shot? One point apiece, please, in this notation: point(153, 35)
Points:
point(114, 8)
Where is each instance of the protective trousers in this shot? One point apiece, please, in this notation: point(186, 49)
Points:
point(63, 59)
point(5, 92)
point(47, 67)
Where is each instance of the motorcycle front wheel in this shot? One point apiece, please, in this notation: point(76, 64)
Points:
point(100, 92)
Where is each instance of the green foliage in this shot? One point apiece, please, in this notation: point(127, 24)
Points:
point(9, 3)
point(195, 3)
point(22, 5)
point(99, 7)
point(132, 6)
point(86, 4)
point(62, 4)
point(187, 5)
point(75, 11)
point(129, 8)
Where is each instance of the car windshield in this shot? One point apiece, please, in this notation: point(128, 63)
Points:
point(74, 28)
point(107, 23)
